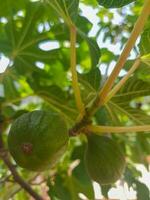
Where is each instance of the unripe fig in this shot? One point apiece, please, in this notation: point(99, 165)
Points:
point(38, 139)
point(104, 160)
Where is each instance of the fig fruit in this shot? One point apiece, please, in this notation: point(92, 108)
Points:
point(38, 139)
point(104, 160)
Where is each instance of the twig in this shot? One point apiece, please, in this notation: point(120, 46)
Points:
point(123, 57)
point(20, 188)
point(117, 129)
point(6, 179)
point(11, 167)
point(18, 179)
point(75, 84)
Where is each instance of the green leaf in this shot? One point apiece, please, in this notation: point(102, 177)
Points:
point(131, 174)
point(114, 3)
point(142, 191)
point(107, 56)
point(58, 99)
point(21, 195)
point(81, 178)
point(132, 89)
point(144, 141)
point(122, 104)
point(145, 42)
point(93, 78)
point(65, 8)
point(93, 48)
point(10, 89)
point(143, 73)
point(68, 185)
point(58, 191)
point(8, 7)
point(71, 6)
point(91, 84)
point(22, 42)
point(53, 96)
point(126, 113)
point(146, 58)
point(137, 153)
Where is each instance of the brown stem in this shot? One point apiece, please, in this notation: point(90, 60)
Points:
point(11, 167)
point(79, 126)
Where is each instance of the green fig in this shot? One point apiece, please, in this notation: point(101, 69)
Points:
point(38, 139)
point(104, 160)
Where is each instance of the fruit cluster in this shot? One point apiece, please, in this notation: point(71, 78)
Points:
point(38, 139)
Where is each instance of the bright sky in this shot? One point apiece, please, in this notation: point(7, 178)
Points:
point(3, 63)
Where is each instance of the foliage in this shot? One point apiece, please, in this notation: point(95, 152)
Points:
point(35, 37)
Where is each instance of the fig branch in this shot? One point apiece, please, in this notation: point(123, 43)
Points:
point(123, 57)
point(4, 156)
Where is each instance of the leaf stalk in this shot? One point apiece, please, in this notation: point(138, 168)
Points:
point(75, 84)
point(117, 129)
